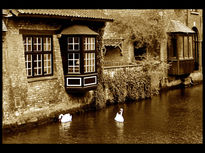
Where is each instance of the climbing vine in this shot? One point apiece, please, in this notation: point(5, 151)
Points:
point(134, 83)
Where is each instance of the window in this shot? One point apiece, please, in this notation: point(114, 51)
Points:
point(89, 57)
point(139, 52)
point(89, 43)
point(38, 55)
point(190, 47)
point(73, 62)
point(186, 43)
point(181, 45)
point(78, 52)
point(89, 62)
point(73, 43)
point(73, 54)
point(172, 47)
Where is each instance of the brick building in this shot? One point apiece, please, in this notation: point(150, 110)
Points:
point(49, 53)
point(182, 36)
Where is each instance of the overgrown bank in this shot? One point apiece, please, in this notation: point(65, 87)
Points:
point(121, 85)
point(131, 83)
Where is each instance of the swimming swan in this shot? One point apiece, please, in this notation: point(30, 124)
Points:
point(65, 118)
point(119, 117)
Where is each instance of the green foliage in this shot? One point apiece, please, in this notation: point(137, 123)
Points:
point(146, 27)
point(138, 85)
point(117, 85)
point(128, 84)
point(155, 68)
point(99, 98)
point(137, 82)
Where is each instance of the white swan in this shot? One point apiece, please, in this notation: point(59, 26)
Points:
point(119, 117)
point(65, 118)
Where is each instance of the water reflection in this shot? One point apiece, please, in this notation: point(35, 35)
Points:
point(172, 117)
point(120, 132)
point(119, 127)
point(64, 126)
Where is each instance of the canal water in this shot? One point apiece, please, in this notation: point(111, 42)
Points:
point(174, 116)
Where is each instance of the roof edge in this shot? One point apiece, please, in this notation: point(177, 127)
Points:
point(18, 13)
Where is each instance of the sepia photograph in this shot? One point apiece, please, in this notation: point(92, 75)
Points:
point(102, 76)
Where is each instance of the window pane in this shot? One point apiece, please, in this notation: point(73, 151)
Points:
point(89, 62)
point(37, 44)
point(76, 39)
point(76, 47)
point(185, 47)
point(47, 64)
point(29, 72)
point(73, 43)
point(70, 40)
point(89, 43)
point(37, 65)
point(47, 43)
point(70, 47)
point(70, 56)
point(70, 63)
point(180, 47)
point(73, 62)
point(190, 47)
point(92, 43)
point(28, 64)
point(77, 56)
point(27, 43)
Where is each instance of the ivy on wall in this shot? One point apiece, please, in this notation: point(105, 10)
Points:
point(131, 84)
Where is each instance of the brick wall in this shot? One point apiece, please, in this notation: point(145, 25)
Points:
point(20, 92)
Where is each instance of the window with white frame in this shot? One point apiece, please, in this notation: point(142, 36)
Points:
point(73, 54)
point(73, 43)
point(89, 43)
point(77, 52)
point(73, 62)
point(89, 56)
point(38, 55)
point(89, 62)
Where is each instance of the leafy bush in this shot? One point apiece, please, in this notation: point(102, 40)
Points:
point(128, 84)
point(138, 82)
point(156, 69)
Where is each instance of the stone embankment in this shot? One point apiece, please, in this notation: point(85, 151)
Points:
point(34, 116)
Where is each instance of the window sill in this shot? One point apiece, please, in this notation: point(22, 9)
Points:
point(195, 13)
point(41, 79)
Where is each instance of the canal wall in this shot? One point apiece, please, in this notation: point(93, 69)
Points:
point(118, 85)
point(114, 87)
